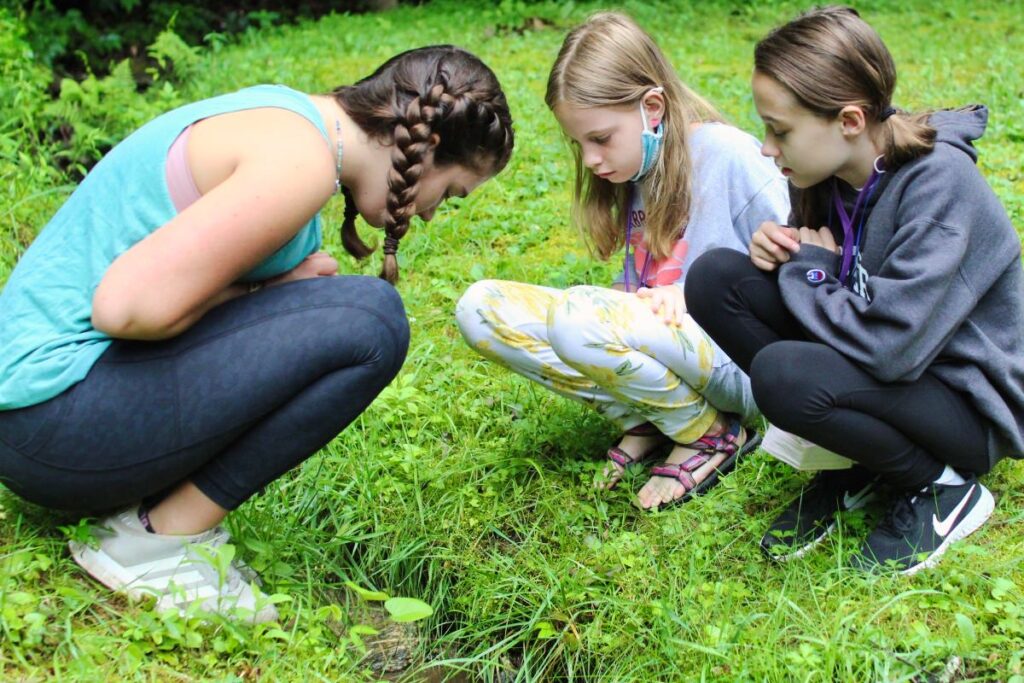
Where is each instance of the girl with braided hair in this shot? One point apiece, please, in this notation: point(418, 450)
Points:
point(657, 171)
point(174, 339)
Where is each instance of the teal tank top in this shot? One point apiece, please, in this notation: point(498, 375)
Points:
point(47, 341)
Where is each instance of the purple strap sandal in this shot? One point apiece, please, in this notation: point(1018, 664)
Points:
point(624, 459)
point(708, 447)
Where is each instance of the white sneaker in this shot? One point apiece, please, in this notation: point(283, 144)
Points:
point(177, 570)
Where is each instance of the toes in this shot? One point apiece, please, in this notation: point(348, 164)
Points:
point(647, 497)
point(656, 493)
point(609, 477)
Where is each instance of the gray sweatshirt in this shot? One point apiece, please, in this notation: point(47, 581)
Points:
point(735, 188)
point(943, 283)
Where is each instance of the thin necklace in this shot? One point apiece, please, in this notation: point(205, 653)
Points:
point(339, 153)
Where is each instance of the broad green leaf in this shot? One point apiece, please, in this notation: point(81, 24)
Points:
point(408, 609)
point(366, 594)
point(545, 630)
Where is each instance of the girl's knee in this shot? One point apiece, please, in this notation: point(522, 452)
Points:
point(789, 380)
point(476, 295)
point(572, 306)
point(362, 314)
point(471, 310)
point(473, 300)
point(572, 323)
point(394, 324)
point(710, 276)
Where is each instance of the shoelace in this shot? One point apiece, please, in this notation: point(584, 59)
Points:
point(899, 517)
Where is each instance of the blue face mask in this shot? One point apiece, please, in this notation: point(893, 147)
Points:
point(650, 141)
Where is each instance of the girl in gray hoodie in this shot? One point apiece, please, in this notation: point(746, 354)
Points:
point(885, 323)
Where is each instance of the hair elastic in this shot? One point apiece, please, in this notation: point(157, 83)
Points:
point(886, 113)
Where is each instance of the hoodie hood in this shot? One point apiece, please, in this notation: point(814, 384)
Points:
point(960, 127)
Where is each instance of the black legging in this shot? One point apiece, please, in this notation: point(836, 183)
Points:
point(255, 387)
point(906, 431)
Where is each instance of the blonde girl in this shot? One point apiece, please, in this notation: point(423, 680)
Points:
point(174, 339)
point(886, 323)
point(662, 177)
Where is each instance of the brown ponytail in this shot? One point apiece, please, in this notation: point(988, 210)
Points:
point(438, 99)
point(906, 137)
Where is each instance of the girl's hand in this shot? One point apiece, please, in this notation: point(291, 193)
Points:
point(667, 302)
point(772, 245)
point(822, 237)
point(319, 264)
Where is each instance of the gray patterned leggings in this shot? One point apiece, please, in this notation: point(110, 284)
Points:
point(254, 388)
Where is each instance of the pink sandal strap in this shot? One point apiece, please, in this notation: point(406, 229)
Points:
point(708, 447)
point(694, 462)
point(620, 457)
point(719, 443)
point(677, 472)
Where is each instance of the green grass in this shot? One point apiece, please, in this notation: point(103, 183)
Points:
point(469, 488)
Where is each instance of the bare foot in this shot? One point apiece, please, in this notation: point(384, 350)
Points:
point(660, 490)
point(636, 447)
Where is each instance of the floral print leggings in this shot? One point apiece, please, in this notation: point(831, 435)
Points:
point(607, 349)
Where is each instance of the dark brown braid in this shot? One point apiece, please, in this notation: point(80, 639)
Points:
point(442, 95)
point(412, 144)
point(350, 239)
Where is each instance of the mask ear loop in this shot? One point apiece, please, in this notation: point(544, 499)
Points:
point(643, 112)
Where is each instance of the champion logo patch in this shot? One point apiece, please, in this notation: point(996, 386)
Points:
point(816, 276)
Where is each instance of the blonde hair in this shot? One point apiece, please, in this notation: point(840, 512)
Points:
point(830, 58)
point(609, 61)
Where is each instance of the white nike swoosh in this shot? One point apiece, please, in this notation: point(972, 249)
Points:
point(942, 528)
point(850, 501)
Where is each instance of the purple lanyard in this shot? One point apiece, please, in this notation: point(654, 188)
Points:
point(847, 220)
point(629, 234)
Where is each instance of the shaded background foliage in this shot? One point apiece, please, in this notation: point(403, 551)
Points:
point(78, 37)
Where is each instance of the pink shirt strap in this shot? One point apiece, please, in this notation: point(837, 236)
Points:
point(180, 183)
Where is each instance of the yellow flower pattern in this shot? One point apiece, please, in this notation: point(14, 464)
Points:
point(603, 347)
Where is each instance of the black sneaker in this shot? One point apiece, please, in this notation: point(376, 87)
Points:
point(812, 515)
point(919, 527)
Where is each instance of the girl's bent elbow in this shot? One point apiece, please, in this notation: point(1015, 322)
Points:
point(108, 320)
point(123, 325)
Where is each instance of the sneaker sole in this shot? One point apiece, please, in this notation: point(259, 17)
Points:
point(968, 525)
point(104, 569)
point(108, 572)
point(802, 550)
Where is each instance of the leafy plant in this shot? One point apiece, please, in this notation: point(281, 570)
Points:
point(470, 485)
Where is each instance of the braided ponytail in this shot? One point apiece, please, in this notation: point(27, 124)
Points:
point(350, 239)
point(440, 100)
point(412, 136)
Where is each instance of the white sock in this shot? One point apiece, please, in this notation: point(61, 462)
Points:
point(949, 477)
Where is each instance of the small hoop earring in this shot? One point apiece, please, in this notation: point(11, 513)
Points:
point(875, 164)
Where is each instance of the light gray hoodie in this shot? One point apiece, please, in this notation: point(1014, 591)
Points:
point(945, 286)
